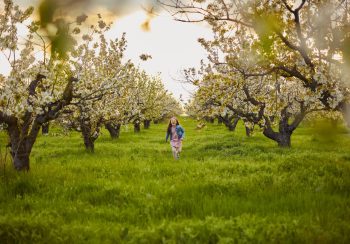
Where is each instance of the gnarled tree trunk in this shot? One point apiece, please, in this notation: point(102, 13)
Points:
point(248, 131)
point(137, 127)
point(89, 142)
point(21, 146)
point(89, 135)
point(230, 122)
point(45, 128)
point(113, 129)
point(20, 152)
point(220, 120)
point(146, 124)
point(232, 125)
point(283, 138)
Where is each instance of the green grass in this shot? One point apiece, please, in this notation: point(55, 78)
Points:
point(226, 188)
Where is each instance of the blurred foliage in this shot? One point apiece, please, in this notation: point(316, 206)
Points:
point(265, 26)
point(346, 50)
point(47, 9)
point(328, 131)
point(57, 28)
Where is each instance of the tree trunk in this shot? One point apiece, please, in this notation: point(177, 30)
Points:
point(283, 137)
point(146, 124)
point(137, 127)
point(20, 156)
point(284, 140)
point(89, 144)
point(234, 124)
point(248, 131)
point(220, 120)
point(89, 141)
point(45, 129)
point(114, 130)
point(156, 122)
point(21, 147)
point(231, 125)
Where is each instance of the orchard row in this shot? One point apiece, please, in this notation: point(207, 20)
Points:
point(271, 63)
point(86, 87)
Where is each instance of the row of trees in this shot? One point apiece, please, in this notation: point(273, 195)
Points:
point(270, 63)
point(84, 87)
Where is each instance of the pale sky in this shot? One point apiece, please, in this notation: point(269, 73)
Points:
point(172, 45)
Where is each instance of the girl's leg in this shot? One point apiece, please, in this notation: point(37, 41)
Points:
point(178, 150)
point(173, 149)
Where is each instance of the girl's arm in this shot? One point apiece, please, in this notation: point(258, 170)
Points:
point(167, 136)
point(183, 133)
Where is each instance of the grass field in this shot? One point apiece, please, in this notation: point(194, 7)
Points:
point(226, 188)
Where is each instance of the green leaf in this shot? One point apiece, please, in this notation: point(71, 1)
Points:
point(47, 10)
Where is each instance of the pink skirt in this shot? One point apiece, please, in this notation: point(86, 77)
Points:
point(176, 143)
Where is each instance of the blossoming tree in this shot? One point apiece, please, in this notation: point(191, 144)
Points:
point(307, 40)
point(103, 81)
point(261, 48)
point(35, 91)
point(273, 101)
point(42, 87)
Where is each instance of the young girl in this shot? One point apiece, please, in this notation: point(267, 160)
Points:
point(176, 134)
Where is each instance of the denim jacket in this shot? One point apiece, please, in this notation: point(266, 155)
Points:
point(179, 131)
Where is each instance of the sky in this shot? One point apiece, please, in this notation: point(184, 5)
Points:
point(173, 45)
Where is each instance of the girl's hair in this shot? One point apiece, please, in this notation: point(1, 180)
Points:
point(170, 125)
